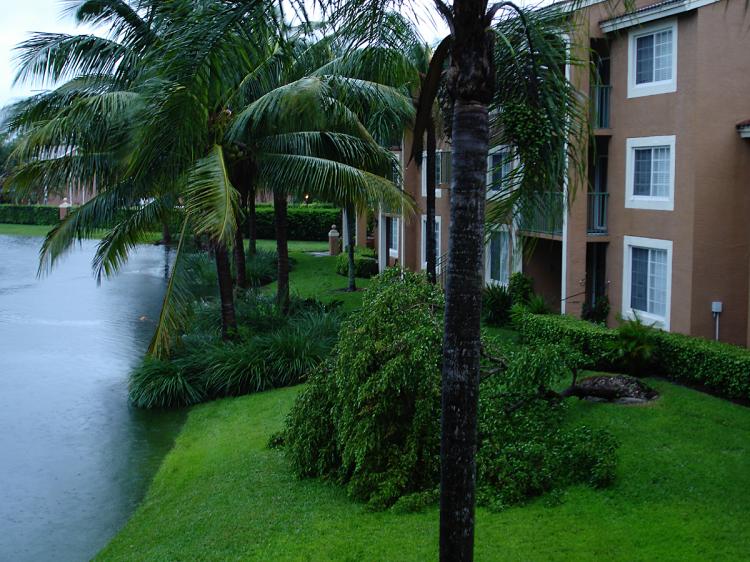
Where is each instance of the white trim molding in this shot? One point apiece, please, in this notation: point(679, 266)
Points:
point(654, 87)
point(649, 202)
point(649, 14)
point(630, 242)
point(423, 173)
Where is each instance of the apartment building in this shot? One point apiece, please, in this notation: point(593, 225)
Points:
point(661, 225)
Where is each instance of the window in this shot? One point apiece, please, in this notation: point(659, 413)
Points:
point(442, 171)
point(652, 64)
point(499, 166)
point(392, 224)
point(647, 279)
point(649, 175)
point(497, 266)
point(438, 225)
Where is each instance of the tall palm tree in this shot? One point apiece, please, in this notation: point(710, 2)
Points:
point(476, 41)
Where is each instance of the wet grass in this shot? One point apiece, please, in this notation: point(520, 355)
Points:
point(680, 495)
point(41, 230)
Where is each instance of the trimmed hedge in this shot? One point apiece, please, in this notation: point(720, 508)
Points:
point(29, 214)
point(365, 263)
point(304, 222)
point(719, 367)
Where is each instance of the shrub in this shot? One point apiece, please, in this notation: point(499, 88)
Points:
point(365, 263)
point(598, 313)
point(378, 400)
point(272, 351)
point(370, 417)
point(261, 268)
point(593, 341)
point(162, 384)
point(521, 288)
point(304, 222)
point(719, 367)
point(537, 305)
point(634, 350)
point(496, 305)
point(29, 214)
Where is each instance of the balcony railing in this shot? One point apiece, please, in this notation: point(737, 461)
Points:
point(600, 106)
point(597, 223)
point(544, 214)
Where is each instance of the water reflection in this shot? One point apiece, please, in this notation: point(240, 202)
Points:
point(75, 458)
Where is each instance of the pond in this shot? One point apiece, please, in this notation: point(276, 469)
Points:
point(75, 458)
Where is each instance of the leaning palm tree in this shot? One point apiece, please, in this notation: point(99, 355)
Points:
point(480, 35)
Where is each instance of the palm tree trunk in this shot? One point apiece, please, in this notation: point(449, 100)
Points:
point(350, 227)
point(250, 223)
point(224, 274)
point(166, 237)
point(430, 249)
point(282, 251)
point(471, 82)
point(239, 258)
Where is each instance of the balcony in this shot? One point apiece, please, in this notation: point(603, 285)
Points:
point(544, 214)
point(597, 213)
point(600, 105)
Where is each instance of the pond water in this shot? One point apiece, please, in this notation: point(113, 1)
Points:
point(75, 458)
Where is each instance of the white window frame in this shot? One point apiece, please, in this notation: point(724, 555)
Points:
point(648, 202)
point(630, 242)
point(439, 224)
point(488, 256)
point(651, 88)
point(391, 251)
point(494, 150)
point(423, 173)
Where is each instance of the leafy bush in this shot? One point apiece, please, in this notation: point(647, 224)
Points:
point(162, 384)
point(272, 351)
point(304, 222)
point(537, 305)
point(634, 350)
point(365, 263)
point(29, 214)
point(525, 449)
point(521, 288)
point(719, 367)
point(261, 268)
point(496, 305)
point(370, 417)
point(593, 341)
point(598, 313)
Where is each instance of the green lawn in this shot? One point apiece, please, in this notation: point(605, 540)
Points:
point(41, 230)
point(314, 276)
point(681, 494)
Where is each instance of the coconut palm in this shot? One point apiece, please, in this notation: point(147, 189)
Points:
point(526, 43)
point(211, 69)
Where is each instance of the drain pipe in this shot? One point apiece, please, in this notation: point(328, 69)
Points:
point(716, 307)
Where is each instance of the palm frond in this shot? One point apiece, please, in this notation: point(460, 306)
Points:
point(175, 306)
point(211, 200)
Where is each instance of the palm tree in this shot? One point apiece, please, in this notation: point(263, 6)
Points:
point(528, 41)
point(210, 69)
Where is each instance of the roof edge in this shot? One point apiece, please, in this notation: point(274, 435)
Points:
point(652, 13)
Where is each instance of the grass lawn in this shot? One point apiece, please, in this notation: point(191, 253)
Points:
point(314, 276)
point(41, 230)
point(681, 494)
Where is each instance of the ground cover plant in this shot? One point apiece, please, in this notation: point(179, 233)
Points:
point(369, 418)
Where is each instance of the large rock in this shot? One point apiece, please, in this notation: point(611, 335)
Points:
point(621, 389)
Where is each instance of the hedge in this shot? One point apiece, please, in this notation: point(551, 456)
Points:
point(304, 222)
point(29, 214)
point(721, 368)
point(365, 263)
